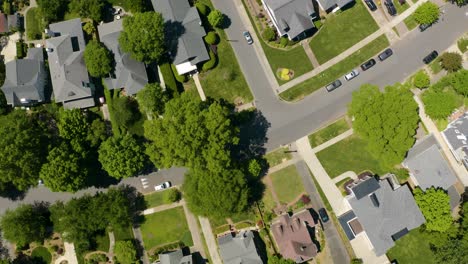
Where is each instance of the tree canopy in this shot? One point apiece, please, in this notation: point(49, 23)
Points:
point(459, 82)
point(426, 13)
point(216, 18)
point(451, 61)
point(97, 59)
point(387, 120)
point(152, 99)
point(125, 252)
point(435, 206)
point(143, 36)
point(52, 10)
point(438, 104)
point(73, 124)
point(278, 260)
point(88, 8)
point(421, 79)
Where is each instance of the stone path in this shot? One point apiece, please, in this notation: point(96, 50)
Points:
point(283, 165)
point(105, 112)
point(310, 53)
point(199, 87)
point(348, 174)
point(210, 240)
point(333, 141)
point(69, 255)
point(111, 244)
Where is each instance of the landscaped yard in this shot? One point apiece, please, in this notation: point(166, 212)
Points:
point(287, 184)
point(329, 132)
point(400, 8)
point(155, 199)
point(435, 66)
point(42, 253)
point(305, 88)
point(410, 22)
point(340, 32)
point(349, 154)
point(33, 26)
point(277, 157)
point(123, 233)
point(102, 241)
point(412, 248)
point(166, 227)
point(340, 185)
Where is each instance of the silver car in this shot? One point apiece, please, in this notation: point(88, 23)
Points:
point(247, 37)
point(162, 186)
point(351, 75)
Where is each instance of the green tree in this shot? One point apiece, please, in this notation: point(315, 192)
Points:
point(216, 18)
point(52, 10)
point(451, 61)
point(125, 111)
point(202, 8)
point(269, 34)
point(453, 251)
point(3, 103)
point(97, 132)
point(435, 206)
point(459, 82)
point(427, 13)
point(25, 224)
point(88, 8)
point(275, 259)
point(212, 38)
point(438, 104)
point(125, 252)
point(172, 195)
point(143, 36)
point(73, 124)
point(152, 99)
point(421, 79)
point(7, 7)
point(97, 59)
point(89, 28)
point(122, 157)
point(388, 121)
point(255, 168)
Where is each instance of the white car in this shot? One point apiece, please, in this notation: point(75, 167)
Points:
point(162, 186)
point(351, 75)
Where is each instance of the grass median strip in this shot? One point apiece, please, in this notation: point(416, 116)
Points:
point(410, 22)
point(305, 88)
point(328, 132)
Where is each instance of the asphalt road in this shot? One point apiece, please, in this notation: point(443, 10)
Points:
point(290, 121)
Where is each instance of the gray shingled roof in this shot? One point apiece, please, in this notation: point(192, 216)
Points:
point(25, 79)
point(456, 132)
point(328, 4)
point(396, 211)
point(185, 40)
point(365, 188)
point(239, 249)
point(129, 73)
point(175, 257)
point(15, 22)
point(67, 68)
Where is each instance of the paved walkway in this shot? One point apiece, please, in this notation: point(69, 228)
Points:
point(163, 208)
point(105, 112)
point(310, 53)
point(348, 174)
point(333, 141)
point(194, 230)
point(9, 51)
point(199, 87)
point(111, 243)
point(138, 237)
point(283, 165)
point(69, 255)
point(402, 29)
point(210, 240)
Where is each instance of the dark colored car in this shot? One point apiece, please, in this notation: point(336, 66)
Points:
point(429, 58)
point(423, 27)
point(368, 64)
point(385, 54)
point(371, 5)
point(247, 37)
point(323, 215)
point(390, 7)
point(332, 86)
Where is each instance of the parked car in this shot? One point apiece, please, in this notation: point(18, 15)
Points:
point(390, 7)
point(429, 58)
point(423, 27)
point(248, 37)
point(332, 86)
point(162, 186)
point(368, 64)
point(385, 54)
point(323, 215)
point(371, 5)
point(351, 75)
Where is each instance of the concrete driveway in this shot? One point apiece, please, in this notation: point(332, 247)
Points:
point(9, 51)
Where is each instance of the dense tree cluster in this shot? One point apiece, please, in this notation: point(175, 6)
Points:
point(438, 105)
point(435, 206)
point(97, 59)
point(216, 18)
point(88, 8)
point(152, 99)
point(125, 252)
point(52, 10)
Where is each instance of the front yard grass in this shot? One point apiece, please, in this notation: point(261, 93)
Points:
point(155, 199)
point(410, 22)
point(122, 234)
point(340, 185)
point(102, 241)
point(305, 88)
point(166, 227)
point(277, 157)
point(435, 66)
point(412, 248)
point(400, 8)
point(287, 184)
point(338, 33)
point(350, 154)
point(33, 27)
point(42, 253)
point(329, 132)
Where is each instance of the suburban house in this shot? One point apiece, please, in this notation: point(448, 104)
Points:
point(175, 257)
point(70, 79)
point(291, 17)
point(333, 5)
point(381, 212)
point(184, 34)
point(128, 73)
point(429, 168)
point(240, 248)
point(456, 135)
point(293, 235)
point(25, 79)
point(3, 23)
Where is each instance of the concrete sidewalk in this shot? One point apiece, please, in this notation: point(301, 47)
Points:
point(333, 141)
point(199, 87)
point(210, 240)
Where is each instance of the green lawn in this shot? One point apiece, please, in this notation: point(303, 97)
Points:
point(441, 124)
point(33, 25)
point(340, 185)
point(268, 200)
point(166, 227)
point(410, 22)
point(349, 154)
point(276, 157)
point(339, 33)
point(435, 66)
point(329, 132)
point(42, 253)
point(123, 233)
point(413, 248)
point(305, 88)
point(287, 183)
point(155, 199)
point(400, 8)
point(169, 80)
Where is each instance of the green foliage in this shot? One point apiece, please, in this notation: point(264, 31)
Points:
point(401, 173)
point(284, 42)
point(356, 261)
point(134, 6)
point(427, 13)
point(41, 253)
point(388, 121)
point(211, 63)
point(212, 38)
point(89, 28)
point(421, 79)
point(180, 78)
point(73, 125)
point(269, 34)
point(454, 251)
point(3, 103)
point(255, 168)
point(216, 18)
point(318, 24)
point(97, 59)
point(25, 224)
point(52, 10)
point(438, 104)
point(143, 36)
point(6, 7)
point(462, 44)
point(435, 206)
point(451, 61)
point(459, 82)
point(88, 8)
point(172, 195)
point(278, 260)
point(122, 157)
point(97, 132)
point(152, 99)
point(169, 79)
point(203, 9)
point(125, 112)
point(96, 258)
point(21, 49)
point(460, 3)
point(125, 252)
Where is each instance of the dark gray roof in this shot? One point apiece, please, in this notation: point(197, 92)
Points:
point(292, 17)
point(15, 21)
point(456, 132)
point(185, 40)
point(365, 188)
point(396, 210)
point(70, 79)
point(427, 164)
point(239, 249)
point(129, 73)
point(344, 220)
point(175, 257)
point(25, 79)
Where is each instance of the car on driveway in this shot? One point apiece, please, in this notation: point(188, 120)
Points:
point(371, 5)
point(423, 27)
point(332, 86)
point(429, 58)
point(162, 186)
point(385, 54)
point(323, 215)
point(368, 64)
point(390, 7)
point(247, 37)
point(351, 75)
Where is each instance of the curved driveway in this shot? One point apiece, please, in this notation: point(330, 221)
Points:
point(290, 121)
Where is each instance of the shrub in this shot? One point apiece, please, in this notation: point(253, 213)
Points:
point(216, 18)
point(284, 41)
point(203, 9)
point(421, 79)
point(451, 61)
point(21, 49)
point(463, 44)
point(439, 104)
point(211, 63)
point(212, 38)
point(172, 195)
point(401, 173)
point(179, 78)
point(305, 199)
point(269, 34)
point(318, 24)
point(426, 13)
